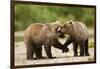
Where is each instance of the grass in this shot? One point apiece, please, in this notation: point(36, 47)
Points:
point(18, 38)
point(91, 44)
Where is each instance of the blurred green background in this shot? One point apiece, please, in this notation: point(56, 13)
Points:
point(26, 14)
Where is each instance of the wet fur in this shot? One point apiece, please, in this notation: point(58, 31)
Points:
point(37, 35)
point(78, 36)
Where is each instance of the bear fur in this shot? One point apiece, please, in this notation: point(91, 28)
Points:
point(38, 34)
point(78, 36)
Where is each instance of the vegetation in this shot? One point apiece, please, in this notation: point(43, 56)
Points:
point(19, 38)
point(25, 14)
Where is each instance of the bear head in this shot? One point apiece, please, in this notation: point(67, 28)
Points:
point(68, 27)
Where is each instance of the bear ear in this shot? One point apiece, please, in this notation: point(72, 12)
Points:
point(70, 22)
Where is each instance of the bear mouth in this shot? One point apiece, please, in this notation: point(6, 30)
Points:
point(62, 35)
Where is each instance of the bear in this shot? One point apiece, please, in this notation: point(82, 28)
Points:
point(78, 35)
point(38, 35)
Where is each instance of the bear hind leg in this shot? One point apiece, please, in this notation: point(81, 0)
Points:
point(30, 51)
point(82, 48)
point(75, 47)
point(86, 48)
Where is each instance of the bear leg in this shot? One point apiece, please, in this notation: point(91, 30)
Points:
point(30, 51)
point(82, 48)
point(38, 53)
point(86, 48)
point(75, 47)
point(58, 45)
point(48, 51)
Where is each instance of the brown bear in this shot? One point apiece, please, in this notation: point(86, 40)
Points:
point(38, 34)
point(78, 36)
